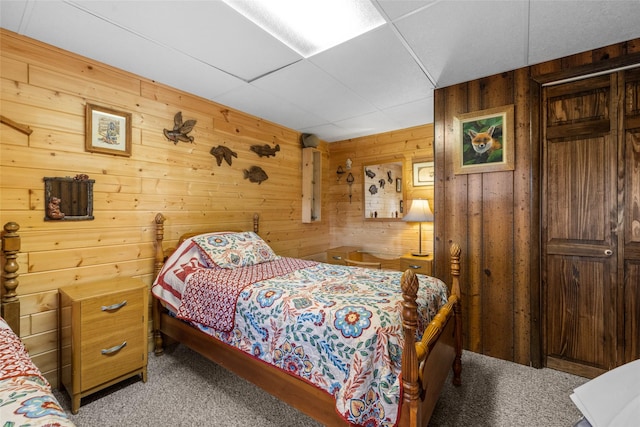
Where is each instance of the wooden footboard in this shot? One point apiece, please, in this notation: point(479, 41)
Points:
point(425, 364)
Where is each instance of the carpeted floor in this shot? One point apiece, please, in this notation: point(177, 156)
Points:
point(185, 389)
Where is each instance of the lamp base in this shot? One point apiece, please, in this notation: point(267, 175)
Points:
point(420, 253)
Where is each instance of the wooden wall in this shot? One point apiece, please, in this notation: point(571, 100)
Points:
point(346, 216)
point(495, 216)
point(46, 89)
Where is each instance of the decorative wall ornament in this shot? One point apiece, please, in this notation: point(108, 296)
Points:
point(107, 131)
point(180, 129)
point(265, 150)
point(17, 126)
point(340, 172)
point(485, 141)
point(423, 174)
point(221, 152)
point(255, 174)
point(350, 180)
point(53, 209)
point(68, 199)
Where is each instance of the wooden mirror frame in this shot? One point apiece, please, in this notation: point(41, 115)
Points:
point(383, 190)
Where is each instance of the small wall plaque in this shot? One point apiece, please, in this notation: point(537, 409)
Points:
point(68, 199)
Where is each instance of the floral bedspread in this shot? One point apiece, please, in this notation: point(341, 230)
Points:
point(25, 395)
point(336, 327)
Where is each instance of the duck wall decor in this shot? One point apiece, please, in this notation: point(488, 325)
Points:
point(180, 129)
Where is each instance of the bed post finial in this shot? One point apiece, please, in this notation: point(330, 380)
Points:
point(457, 310)
point(10, 302)
point(159, 238)
point(411, 388)
point(256, 223)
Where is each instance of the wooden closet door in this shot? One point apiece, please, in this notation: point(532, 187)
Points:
point(631, 260)
point(580, 222)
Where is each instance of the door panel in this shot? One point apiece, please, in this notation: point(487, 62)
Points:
point(579, 326)
point(631, 243)
point(580, 222)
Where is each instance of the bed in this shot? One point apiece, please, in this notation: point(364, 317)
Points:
point(344, 345)
point(25, 395)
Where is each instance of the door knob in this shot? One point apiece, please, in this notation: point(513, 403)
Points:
point(608, 252)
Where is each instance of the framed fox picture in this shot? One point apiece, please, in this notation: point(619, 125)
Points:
point(484, 141)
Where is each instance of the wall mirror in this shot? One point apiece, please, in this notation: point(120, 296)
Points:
point(68, 199)
point(383, 190)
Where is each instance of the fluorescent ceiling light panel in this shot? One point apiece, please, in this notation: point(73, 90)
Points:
point(311, 26)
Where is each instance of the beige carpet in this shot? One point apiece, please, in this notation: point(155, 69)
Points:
point(185, 389)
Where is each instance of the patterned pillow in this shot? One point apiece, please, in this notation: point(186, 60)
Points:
point(235, 249)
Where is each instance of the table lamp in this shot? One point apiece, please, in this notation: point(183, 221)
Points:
point(419, 212)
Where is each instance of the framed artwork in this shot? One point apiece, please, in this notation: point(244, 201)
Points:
point(423, 174)
point(107, 131)
point(484, 141)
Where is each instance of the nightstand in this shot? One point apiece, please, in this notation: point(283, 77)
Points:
point(103, 335)
point(421, 264)
point(339, 254)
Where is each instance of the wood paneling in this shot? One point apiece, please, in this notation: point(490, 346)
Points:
point(496, 216)
point(46, 89)
point(348, 225)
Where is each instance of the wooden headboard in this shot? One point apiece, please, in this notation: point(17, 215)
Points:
point(10, 301)
point(162, 254)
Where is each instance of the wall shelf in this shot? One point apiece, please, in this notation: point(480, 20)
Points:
point(311, 185)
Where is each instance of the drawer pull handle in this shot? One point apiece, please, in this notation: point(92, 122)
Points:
point(337, 257)
point(415, 266)
point(114, 306)
point(113, 349)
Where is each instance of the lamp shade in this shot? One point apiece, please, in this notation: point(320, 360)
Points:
point(419, 212)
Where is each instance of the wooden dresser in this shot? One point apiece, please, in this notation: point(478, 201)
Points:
point(421, 264)
point(103, 335)
point(339, 254)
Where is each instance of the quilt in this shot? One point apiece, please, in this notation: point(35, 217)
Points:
point(336, 327)
point(25, 395)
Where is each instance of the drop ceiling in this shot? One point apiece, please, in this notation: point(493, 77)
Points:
point(381, 81)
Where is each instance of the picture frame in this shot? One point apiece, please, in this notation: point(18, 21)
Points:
point(423, 174)
point(107, 131)
point(484, 141)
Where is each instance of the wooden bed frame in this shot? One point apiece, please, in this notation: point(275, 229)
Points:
point(425, 364)
point(10, 303)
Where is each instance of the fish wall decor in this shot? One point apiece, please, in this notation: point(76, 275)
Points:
point(255, 174)
point(265, 150)
point(221, 152)
point(180, 129)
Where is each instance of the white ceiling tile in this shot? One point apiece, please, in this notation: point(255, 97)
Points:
point(412, 114)
point(259, 103)
point(562, 28)
point(312, 89)
point(208, 30)
point(397, 8)
point(457, 38)
point(12, 13)
point(377, 68)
